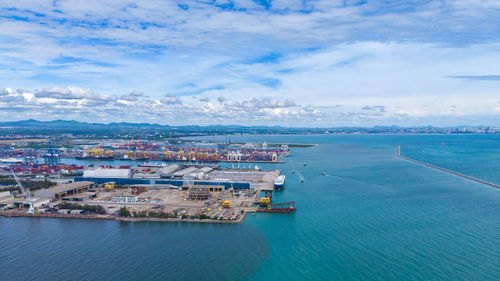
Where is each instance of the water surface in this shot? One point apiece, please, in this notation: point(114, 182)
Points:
point(372, 217)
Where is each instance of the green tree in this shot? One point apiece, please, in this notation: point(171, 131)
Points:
point(124, 212)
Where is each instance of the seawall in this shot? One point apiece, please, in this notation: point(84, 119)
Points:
point(446, 170)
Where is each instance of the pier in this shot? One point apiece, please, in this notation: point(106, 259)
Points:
point(286, 207)
point(446, 170)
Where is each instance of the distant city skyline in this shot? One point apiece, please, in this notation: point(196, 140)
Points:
point(322, 63)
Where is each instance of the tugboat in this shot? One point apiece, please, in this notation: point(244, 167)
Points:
point(279, 182)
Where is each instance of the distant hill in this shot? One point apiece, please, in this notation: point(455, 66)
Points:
point(71, 126)
point(32, 126)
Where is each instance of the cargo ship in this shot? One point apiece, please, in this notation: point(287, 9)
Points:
point(151, 165)
point(279, 182)
point(89, 157)
point(11, 160)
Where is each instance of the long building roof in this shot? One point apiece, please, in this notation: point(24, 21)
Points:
point(107, 173)
point(66, 187)
point(185, 171)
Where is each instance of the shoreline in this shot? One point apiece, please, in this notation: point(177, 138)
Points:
point(117, 218)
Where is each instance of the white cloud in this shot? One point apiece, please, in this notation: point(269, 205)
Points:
point(398, 56)
point(85, 105)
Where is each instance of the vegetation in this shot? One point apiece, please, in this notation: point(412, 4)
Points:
point(153, 214)
point(165, 215)
point(124, 212)
point(159, 214)
point(32, 185)
point(76, 206)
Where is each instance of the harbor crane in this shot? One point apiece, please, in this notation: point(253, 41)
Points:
point(31, 209)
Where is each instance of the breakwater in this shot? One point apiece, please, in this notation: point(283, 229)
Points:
point(446, 170)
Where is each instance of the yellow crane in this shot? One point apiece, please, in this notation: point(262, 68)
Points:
point(265, 201)
point(226, 203)
point(109, 186)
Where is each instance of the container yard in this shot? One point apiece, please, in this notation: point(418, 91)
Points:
point(183, 151)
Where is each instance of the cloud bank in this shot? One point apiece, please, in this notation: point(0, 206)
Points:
point(317, 63)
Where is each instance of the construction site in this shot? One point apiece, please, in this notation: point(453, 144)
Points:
point(172, 193)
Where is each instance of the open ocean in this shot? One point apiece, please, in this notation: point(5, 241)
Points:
point(372, 217)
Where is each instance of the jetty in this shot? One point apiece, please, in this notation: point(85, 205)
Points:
point(286, 207)
point(445, 170)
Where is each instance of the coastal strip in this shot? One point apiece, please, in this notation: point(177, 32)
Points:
point(118, 218)
point(445, 170)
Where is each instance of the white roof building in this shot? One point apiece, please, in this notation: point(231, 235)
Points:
point(168, 170)
point(107, 173)
point(185, 171)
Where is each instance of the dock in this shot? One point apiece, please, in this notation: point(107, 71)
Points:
point(268, 184)
point(286, 207)
point(446, 170)
point(214, 195)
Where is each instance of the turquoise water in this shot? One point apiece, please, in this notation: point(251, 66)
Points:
point(372, 217)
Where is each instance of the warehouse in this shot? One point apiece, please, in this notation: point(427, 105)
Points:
point(184, 172)
point(107, 173)
point(61, 190)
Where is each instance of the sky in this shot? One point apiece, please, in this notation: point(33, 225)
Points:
point(315, 63)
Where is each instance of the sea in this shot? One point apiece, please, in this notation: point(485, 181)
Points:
point(370, 216)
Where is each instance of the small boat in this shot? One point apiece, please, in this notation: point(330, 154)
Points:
point(323, 173)
point(293, 172)
point(302, 180)
point(305, 164)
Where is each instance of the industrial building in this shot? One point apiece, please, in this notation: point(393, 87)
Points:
point(4, 194)
point(7, 200)
point(227, 183)
point(167, 172)
point(125, 199)
point(176, 175)
point(184, 172)
point(22, 202)
point(107, 173)
point(61, 190)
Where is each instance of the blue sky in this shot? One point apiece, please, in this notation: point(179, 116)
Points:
point(253, 62)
